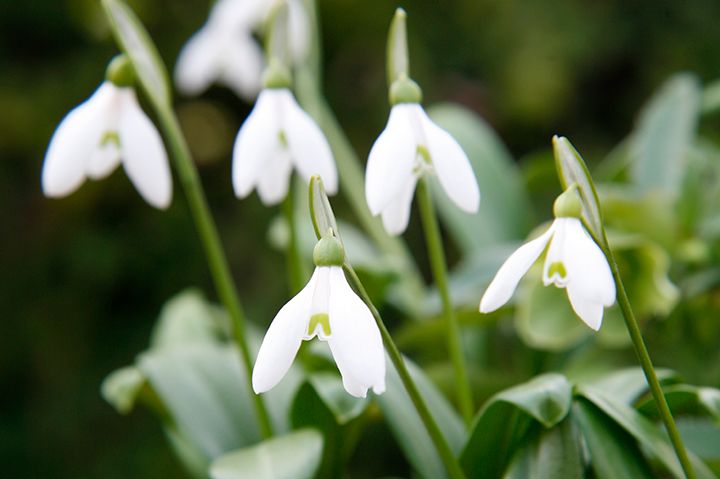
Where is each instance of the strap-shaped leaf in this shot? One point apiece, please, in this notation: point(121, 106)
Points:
point(135, 41)
point(294, 456)
point(500, 427)
point(687, 399)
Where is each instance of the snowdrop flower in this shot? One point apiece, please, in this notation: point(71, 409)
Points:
point(225, 51)
point(327, 308)
point(107, 129)
point(276, 136)
point(412, 145)
point(573, 261)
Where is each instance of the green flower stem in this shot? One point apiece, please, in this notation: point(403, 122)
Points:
point(439, 269)
point(213, 249)
point(295, 266)
point(449, 460)
point(647, 366)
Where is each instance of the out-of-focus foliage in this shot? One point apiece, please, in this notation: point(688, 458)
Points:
point(84, 278)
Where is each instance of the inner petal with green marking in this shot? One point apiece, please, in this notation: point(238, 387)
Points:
point(321, 320)
point(110, 137)
point(557, 268)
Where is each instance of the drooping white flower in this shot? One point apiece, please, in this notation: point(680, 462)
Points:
point(225, 51)
point(276, 136)
point(327, 308)
point(107, 129)
point(573, 261)
point(412, 145)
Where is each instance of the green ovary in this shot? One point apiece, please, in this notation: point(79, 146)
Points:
point(559, 268)
point(323, 320)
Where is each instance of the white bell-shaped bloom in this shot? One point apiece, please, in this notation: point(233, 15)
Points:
point(225, 51)
point(276, 136)
point(95, 137)
point(573, 261)
point(327, 308)
point(412, 145)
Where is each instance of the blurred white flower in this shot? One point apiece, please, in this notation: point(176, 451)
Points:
point(95, 137)
point(327, 308)
point(225, 51)
point(573, 261)
point(276, 136)
point(412, 145)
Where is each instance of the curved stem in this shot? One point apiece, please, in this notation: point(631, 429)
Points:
point(439, 269)
point(295, 267)
point(449, 460)
point(646, 363)
point(217, 261)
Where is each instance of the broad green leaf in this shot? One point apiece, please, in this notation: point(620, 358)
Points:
point(135, 41)
point(614, 454)
point(572, 169)
point(703, 437)
point(628, 385)
point(665, 130)
point(343, 406)
point(122, 388)
point(554, 453)
point(293, 456)
point(653, 439)
point(686, 399)
point(409, 430)
point(500, 427)
point(505, 214)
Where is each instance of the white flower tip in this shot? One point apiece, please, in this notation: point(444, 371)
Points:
point(380, 387)
point(260, 385)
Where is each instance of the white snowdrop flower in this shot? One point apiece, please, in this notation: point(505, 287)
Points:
point(225, 51)
point(412, 145)
point(277, 136)
point(327, 308)
point(573, 261)
point(107, 129)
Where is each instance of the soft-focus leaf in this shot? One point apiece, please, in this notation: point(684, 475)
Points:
point(555, 453)
point(499, 429)
point(628, 385)
point(645, 432)
point(665, 130)
point(139, 47)
point(293, 456)
point(505, 214)
point(710, 101)
point(614, 454)
point(408, 429)
point(703, 437)
point(189, 318)
point(343, 406)
point(686, 399)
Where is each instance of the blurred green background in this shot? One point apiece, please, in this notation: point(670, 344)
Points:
point(83, 278)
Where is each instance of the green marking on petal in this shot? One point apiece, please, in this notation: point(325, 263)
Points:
point(283, 139)
point(323, 320)
point(110, 137)
point(559, 268)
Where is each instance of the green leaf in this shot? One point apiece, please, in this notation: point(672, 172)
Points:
point(614, 454)
point(293, 456)
point(703, 437)
point(652, 439)
point(571, 169)
point(628, 385)
point(330, 390)
point(686, 399)
point(500, 427)
point(506, 213)
point(121, 388)
point(710, 102)
point(554, 453)
point(135, 41)
point(665, 130)
point(408, 429)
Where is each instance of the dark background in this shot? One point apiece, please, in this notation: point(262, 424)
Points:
point(83, 278)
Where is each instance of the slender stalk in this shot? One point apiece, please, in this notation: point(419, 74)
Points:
point(646, 363)
point(295, 267)
point(217, 261)
point(449, 460)
point(439, 269)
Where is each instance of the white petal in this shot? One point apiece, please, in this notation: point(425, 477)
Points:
point(74, 143)
point(452, 166)
point(282, 340)
point(309, 148)
point(391, 160)
point(396, 215)
point(274, 179)
point(104, 160)
point(143, 154)
point(355, 339)
point(238, 14)
point(256, 142)
point(242, 66)
point(198, 64)
point(508, 276)
point(589, 311)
